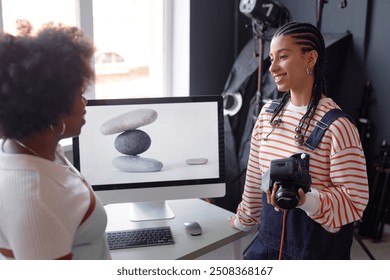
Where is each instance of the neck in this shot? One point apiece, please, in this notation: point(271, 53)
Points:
point(301, 95)
point(35, 145)
point(300, 99)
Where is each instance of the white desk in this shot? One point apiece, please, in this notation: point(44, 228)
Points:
point(218, 239)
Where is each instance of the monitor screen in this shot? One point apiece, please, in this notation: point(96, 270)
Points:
point(153, 149)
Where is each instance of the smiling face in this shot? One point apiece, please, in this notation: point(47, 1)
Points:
point(289, 66)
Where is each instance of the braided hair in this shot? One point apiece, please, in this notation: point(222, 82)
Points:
point(309, 38)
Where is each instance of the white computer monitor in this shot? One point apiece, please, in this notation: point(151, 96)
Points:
point(168, 148)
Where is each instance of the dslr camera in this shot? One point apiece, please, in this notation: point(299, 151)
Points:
point(290, 174)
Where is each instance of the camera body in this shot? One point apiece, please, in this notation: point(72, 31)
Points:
point(290, 174)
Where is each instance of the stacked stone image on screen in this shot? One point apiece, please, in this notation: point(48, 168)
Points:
point(132, 141)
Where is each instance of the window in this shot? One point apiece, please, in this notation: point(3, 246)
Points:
point(130, 48)
point(141, 44)
point(56, 11)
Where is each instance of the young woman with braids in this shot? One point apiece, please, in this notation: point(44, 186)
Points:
point(321, 226)
point(47, 209)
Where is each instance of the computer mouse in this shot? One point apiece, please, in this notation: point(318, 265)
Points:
point(193, 228)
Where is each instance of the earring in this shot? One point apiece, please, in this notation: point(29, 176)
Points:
point(308, 71)
point(62, 131)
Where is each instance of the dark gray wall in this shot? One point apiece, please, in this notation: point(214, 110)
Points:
point(212, 36)
point(377, 69)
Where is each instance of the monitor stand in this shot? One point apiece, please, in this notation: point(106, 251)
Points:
point(150, 210)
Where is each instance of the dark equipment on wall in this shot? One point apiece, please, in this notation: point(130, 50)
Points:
point(266, 16)
point(320, 7)
point(364, 226)
point(377, 210)
point(364, 123)
point(245, 90)
point(265, 12)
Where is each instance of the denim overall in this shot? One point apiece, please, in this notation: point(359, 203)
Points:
point(303, 238)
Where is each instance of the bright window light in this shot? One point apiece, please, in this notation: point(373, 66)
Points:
point(130, 48)
point(37, 12)
point(128, 35)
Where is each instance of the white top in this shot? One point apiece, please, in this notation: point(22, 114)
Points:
point(42, 205)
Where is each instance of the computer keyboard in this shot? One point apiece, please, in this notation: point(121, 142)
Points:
point(154, 236)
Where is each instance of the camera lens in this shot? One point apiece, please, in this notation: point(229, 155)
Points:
point(286, 198)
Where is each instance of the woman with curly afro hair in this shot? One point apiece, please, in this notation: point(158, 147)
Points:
point(47, 209)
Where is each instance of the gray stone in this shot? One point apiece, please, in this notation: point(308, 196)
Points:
point(137, 164)
point(197, 161)
point(132, 142)
point(128, 121)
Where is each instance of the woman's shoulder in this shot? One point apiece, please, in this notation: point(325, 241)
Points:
point(269, 106)
point(342, 124)
point(268, 103)
point(326, 104)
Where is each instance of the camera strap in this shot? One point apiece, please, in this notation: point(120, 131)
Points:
point(321, 126)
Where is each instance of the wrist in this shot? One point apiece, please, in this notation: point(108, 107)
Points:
point(311, 203)
point(240, 226)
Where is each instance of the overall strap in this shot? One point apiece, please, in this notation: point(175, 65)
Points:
point(274, 104)
point(322, 125)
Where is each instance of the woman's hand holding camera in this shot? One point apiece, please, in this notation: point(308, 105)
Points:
point(271, 197)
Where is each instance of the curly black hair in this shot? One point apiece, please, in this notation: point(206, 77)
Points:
point(40, 77)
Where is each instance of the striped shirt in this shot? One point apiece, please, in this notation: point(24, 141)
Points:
point(339, 190)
